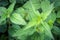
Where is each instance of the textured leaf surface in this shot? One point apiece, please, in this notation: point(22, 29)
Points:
point(23, 32)
point(3, 14)
point(47, 11)
point(35, 14)
point(17, 19)
point(14, 28)
point(51, 19)
point(47, 28)
point(10, 9)
point(21, 11)
point(35, 3)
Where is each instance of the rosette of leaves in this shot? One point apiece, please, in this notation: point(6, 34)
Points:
point(32, 21)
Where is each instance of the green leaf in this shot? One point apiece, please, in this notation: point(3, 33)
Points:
point(51, 19)
point(46, 37)
point(47, 12)
point(47, 29)
point(21, 11)
point(23, 34)
point(43, 32)
point(35, 36)
point(3, 14)
point(3, 18)
point(31, 8)
point(57, 3)
point(13, 29)
point(30, 24)
point(58, 20)
point(21, 38)
point(56, 30)
point(10, 9)
point(12, 1)
point(32, 14)
point(2, 10)
point(45, 5)
point(17, 19)
point(36, 4)
point(58, 14)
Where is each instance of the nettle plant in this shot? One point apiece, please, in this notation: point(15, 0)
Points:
point(32, 21)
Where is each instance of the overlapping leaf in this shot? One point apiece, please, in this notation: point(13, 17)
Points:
point(21, 11)
point(10, 9)
point(47, 28)
point(33, 13)
point(51, 19)
point(36, 4)
point(14, 28)
point(17, 19)
point(3, 14)
point(46, 11)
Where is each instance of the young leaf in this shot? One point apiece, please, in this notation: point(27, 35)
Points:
point(30, 24)
point(17, 19)
point(35, 14)
point(21, 11)
point(51, 19)
point(47, 12)
point(45, 5)
point(36, 4)
point(10, 9)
